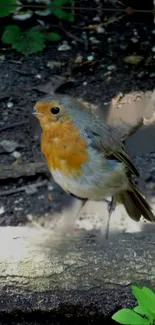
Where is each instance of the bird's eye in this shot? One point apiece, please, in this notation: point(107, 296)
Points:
point(55, 110)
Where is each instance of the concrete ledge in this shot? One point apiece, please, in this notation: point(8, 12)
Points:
point(73, 276)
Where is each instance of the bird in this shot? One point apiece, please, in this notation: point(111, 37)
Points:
point(86, 157)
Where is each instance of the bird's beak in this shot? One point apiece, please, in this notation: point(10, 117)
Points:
point(34, 112)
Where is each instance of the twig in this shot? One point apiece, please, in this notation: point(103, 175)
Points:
point(15, 61)
point(128, 10)
point(13, 125)
point(132, 130)
point(22, 170)
point(112, 20)
point(23, 188)
point(72, 36)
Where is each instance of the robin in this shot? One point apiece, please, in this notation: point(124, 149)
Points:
point(86, 157)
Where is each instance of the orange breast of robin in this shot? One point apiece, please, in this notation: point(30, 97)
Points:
point(64, 148)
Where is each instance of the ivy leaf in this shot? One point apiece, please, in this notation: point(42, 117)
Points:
point(6, 10)
point(11, 34)
point(27, 42)
point(129, 317)
point(53, 37)
point(30, 42)
point(60, 12)
point(35, 40)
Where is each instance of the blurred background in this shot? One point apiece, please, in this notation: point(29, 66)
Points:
point(102, 53)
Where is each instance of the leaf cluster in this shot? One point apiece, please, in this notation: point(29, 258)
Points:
point(143, 313)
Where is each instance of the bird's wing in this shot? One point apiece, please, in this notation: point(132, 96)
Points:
point(105, 138)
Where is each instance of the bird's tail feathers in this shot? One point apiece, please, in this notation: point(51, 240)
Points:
point(135, 204)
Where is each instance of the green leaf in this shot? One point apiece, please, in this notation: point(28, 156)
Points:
point(129, 317)
point(30, 42)
point(143, 302)
point(139, 310)
point(11, 34)
point(6, 10)
point(53, 37)
point(150, 297)
point(142, 311)
point(61, 12)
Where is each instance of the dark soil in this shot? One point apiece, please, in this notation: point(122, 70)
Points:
point(21, 79)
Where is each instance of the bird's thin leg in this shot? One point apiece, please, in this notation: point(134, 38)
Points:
point(111, 208)
point(69, 216)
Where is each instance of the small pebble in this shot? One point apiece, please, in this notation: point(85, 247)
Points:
point(31, 189)
point(2, 58)
point(108, 73)
point(153, 49)
point(78, 59)
point(16, 154)
point(5, 117)
point(41, 197)
point(96, 18)
point(38, 76)
point(90, 58)
point(94, 40)
point(153, 31)
point(22, 16)
point(50, 187)
point(9, 104)
point(29, 217)
point(64, 46)
point(111, 67)
point(19, 200)
point(152, 74)
point(100, 30)
point(18, 208)
point(84, 35)
point(9, 146)
point(54, 64)
point(109, 40)
point(150, 185)
point(2, 210)
point(141, 74)
point(135, 32)
point(108, 78)
point(85, 83)
point(134, 40)
point(123, 46)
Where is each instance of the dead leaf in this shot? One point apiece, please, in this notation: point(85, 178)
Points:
point(50, 197)
point(56, 84)
point(133, 59)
